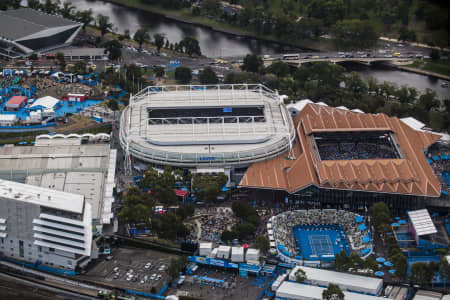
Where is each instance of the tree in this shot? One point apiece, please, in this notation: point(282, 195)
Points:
point(80, 67)
point(444, 270)
point(185, 211)
point(191, 46)
point(342, 261)
point(141, 36)
point(208, 76)
point(137, 208)
point(208, 186)
point(262, 243)
point(211, 6)
point(33, 56)
point(176, 266)
point(159, 71)
point(113, 105)
point(67, 10)
point(103, 24)
point(114, 49)
point(159, 41)
point(419, 273)
point(300, 276)
point(278, 68)
point(354, 34)
point(401, 265)
point(227, 236)
point(51, 7)
point(61, 60)
point(434, 54)
point(34, 4)
point(85, 17)
point(252, 63)
point(183, 75)
point(126, 34)
point(161, 185)
point(333, 292)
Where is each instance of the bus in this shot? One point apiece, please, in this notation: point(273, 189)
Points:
point(291, 56)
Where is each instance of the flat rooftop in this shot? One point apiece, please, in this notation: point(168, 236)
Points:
point(67, 157)
point(340, 278)
point(41, 196)
point(293, 290)
point(87, 184)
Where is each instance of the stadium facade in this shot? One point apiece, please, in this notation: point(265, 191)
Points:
point(24, 31)
point(208, 126)
point(348, 159)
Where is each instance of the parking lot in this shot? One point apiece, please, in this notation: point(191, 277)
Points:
point(235, 287)
point(136, 269)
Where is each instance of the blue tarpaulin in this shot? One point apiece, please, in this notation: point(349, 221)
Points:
point(380, 259)
point(392, 271)
point(395, 224)
point(366, 239)
point(402, 222)
point(429, 161)
point(435, 158)
point(379, 274)
point(362, 227)
point(388, 264)
point(359, 219)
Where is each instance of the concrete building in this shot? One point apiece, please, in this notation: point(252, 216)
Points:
point(44, 226)
point(63, 163)
point(350, 282)
point(15, 103)
point(24, 31)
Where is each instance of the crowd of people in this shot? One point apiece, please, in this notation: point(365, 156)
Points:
point(213, 221)
point(284, 223)
point(358, 150)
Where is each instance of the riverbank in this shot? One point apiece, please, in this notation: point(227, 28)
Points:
point(438, 69)
point(185, 16)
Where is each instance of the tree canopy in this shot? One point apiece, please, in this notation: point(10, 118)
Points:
point(208, 76)
point(333, 292)
point(183, 75)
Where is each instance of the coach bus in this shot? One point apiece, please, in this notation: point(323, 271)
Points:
point(291, 56)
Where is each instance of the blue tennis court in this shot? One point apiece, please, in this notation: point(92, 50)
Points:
point(316, 241)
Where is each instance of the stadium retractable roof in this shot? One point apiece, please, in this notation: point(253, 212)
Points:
point(410, 174)
point(422, 222)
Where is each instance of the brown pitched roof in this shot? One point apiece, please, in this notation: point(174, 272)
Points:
point(409, 175)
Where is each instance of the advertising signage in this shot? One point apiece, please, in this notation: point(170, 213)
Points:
point(249, 268)
point(217, 262)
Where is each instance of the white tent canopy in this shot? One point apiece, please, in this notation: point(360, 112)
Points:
point(422, 222)
point(47, 102)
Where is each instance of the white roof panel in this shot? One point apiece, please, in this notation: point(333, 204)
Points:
point(41, 196)
point(47, 102)
point(422, 222)
point(293, 290)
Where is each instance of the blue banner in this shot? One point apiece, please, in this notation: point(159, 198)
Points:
point(249, 268)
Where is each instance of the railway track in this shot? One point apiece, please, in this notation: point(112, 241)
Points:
point(39, 283)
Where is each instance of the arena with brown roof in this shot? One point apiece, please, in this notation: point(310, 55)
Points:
point(403, 170)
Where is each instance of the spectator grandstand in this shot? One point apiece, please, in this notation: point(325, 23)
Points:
point(318, 235)
point(363, 145)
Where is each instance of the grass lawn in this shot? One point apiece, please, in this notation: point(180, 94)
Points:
point(436, 66)
point(439, 66)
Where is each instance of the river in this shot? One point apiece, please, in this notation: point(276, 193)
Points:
point(215, 44)
point(212, 43)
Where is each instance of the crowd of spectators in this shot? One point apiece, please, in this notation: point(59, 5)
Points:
point(359, 150)
point(284, 223)
point(214, 221)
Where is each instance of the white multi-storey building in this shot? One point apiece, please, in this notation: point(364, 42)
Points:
point(45, 226)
